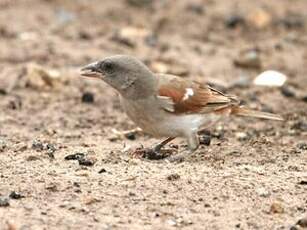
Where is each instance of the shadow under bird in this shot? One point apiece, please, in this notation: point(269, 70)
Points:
point(165, 105)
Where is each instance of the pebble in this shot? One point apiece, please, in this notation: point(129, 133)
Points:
point(302, 146)
point(234, 21)
point(173, 177)
point(130, 136)
point(287, 91)
point(263, 192)
point(205, 140)
point(50, 150)
point(293, 21)
point(302, 222)
point(88, 97)
point(304, 98)
point(4, 202)
point(276, 208)
point(300, 125)
point(37, 145)
point(248, 59)
point(86, 162)
point(103, 170)
point(75, 156)
point(242, 136)
point(3, 145)
point(16, 195)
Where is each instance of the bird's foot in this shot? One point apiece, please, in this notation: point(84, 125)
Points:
point(151, 153)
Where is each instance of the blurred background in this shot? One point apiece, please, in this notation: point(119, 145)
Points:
point(47, 110)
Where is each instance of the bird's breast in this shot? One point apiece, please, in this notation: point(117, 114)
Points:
point(153, 120)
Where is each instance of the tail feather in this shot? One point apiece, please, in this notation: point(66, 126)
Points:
point(242, 111)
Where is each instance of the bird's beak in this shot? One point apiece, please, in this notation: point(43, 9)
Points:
point(91, 70)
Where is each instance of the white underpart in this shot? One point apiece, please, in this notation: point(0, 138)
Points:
point(188, 93)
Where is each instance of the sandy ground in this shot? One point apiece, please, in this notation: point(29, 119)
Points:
point(253, 175)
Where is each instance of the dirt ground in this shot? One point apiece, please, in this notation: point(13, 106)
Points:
point(253, 175)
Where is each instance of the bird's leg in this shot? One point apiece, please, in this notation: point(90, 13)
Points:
point(154, 153)
point(193, 143)
point(159, 146)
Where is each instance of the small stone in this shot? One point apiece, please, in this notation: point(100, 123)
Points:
point(259, 18)
point(16, 195)
point(302, 146)
point(302, 222)
point(293, 21)
point(172, 222)
point(50, 150)
point(75, 156)
point(248, 59)
point(37, 145)
point(287, 91)
point(3, 145)
point(15, 104)
point(173, 177)
point(300, 125)
point(294, 227)
point(86, 162)
point(205, 140)
point(130, 136)
point(234, 21)
point(276, 208)
point(4, 202)
point(87, 97)
point(303, 182)
point(103, 170)
point(242, 136)
point(304, 98)
point(263, 192)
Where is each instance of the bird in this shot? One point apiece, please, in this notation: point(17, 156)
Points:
point(165, 105)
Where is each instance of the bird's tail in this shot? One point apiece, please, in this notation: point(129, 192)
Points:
point(242, 111)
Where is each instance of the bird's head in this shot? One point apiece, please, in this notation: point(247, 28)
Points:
point(130, 77)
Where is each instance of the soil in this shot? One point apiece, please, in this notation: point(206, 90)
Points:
point(253, 174)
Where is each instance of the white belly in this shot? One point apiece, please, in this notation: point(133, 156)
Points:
point(160, 123)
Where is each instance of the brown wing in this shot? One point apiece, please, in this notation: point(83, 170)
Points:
point(192, 97)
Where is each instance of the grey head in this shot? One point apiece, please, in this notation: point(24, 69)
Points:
point(129, 76)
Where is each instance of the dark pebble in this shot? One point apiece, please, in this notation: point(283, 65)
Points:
point(50, 150)
point(302, 222)
point(205, 140)
point(130, 136)
point(293, 21)
point(287, 91)
point(37, 145)
point(75, 156)
point(304, 98)
point(4, 202)
point(233, 21)
point(3, 92)
point(302, 146)
point(303, 182)
point(300, 125)
point(173, 177)
point(16, 195)
point(88, 97)
point(294, 228)
point(15, 104)
point(85, 162)
point(102, 171)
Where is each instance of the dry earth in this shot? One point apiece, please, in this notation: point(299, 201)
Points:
point(252, 176)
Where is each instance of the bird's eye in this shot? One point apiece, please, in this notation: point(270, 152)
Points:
point(108, 67)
